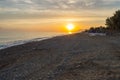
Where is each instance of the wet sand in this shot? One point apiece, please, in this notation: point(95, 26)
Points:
point(71, 57)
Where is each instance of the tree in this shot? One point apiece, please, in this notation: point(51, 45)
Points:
point(113, 23)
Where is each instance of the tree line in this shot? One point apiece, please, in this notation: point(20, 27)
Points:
point(112, 24)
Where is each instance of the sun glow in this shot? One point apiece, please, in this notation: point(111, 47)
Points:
point(70, 27)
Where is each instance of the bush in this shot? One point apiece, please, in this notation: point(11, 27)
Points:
point(100, 29)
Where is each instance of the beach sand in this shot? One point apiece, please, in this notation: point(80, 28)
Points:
point(71, 57)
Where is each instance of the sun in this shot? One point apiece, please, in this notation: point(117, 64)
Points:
point(70, 27)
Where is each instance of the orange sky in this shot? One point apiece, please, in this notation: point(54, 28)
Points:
point(55, 24)
point(54, 15)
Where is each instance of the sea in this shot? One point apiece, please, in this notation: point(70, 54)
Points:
point(12, 38)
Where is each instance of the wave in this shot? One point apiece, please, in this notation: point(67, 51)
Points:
point(20, 42)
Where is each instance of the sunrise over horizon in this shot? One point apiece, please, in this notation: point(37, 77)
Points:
point(53, 15)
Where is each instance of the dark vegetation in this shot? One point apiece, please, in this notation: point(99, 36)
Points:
point(112, 25)
point(100, 29)
point(113, 22)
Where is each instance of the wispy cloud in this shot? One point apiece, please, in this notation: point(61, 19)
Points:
point(52, 8)
point(57, 4)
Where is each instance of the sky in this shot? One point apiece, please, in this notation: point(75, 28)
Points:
point(54, 15)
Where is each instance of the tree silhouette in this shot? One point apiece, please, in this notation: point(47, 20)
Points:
point(113, 23)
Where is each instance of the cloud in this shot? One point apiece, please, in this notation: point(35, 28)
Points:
point(58, 4)
point(51, 8)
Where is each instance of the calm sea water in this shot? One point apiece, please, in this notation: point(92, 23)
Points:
point(11, 38)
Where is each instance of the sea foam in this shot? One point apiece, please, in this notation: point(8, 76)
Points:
point(20, 42)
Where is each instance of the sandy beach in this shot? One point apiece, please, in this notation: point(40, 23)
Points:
point(71, 57)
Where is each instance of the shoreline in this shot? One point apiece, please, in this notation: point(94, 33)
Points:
point(19, 42)
point(22, 42)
